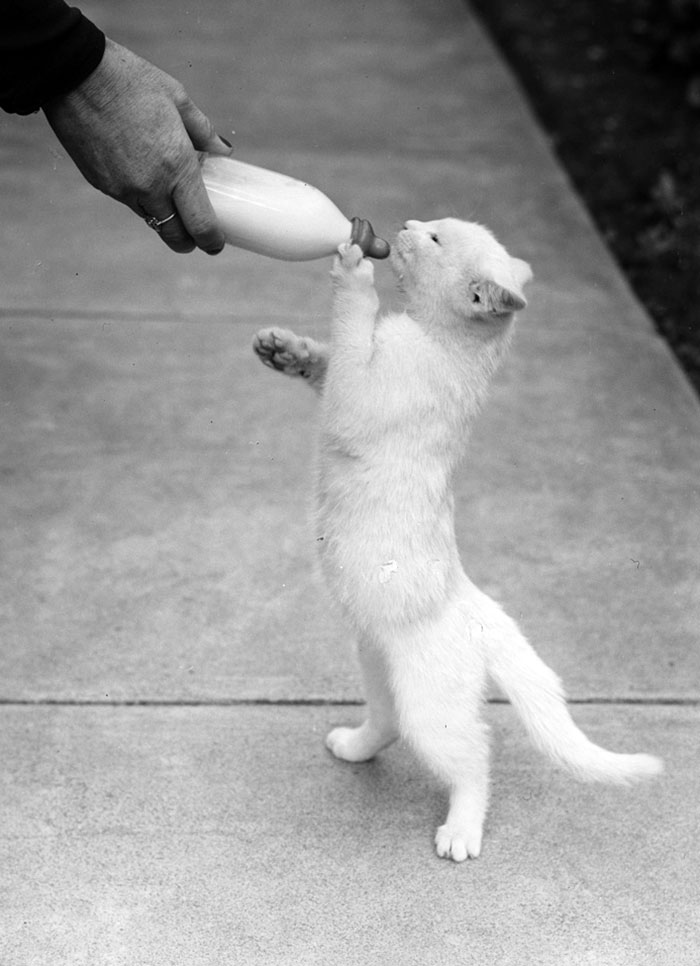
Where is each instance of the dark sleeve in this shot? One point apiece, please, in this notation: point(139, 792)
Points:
point(46, 48)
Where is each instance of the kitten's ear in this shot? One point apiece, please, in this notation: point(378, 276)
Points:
point(490, 297)
point(494, 299)
point(521, 271)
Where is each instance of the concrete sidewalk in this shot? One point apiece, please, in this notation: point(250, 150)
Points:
point(169, 666)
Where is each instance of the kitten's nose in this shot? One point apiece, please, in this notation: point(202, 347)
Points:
point(412, 224)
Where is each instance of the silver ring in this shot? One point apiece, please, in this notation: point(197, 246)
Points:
point(157, 223)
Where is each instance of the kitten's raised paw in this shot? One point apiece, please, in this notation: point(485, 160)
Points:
point(350, 744)
point(284, 351)
point(350, 255)
point(457, 844)
point(350, 262)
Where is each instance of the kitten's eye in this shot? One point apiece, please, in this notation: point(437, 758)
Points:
point(435, 238)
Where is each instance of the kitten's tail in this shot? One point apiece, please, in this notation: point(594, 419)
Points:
point(537, 695)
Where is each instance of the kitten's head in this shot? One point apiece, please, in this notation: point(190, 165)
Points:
point(458, 269)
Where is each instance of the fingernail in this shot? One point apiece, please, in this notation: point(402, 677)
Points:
point(227, 143)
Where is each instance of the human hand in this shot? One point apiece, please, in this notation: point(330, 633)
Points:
point(133, 132)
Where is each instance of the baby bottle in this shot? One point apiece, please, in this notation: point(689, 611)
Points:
point(273, 214)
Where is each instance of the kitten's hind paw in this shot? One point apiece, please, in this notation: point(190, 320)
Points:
point(357, 744)
point(457, 844)
point(286, 352)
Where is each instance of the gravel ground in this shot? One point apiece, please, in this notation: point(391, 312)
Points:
point(617, 86)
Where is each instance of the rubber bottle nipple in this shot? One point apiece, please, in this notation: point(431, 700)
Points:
point(363, 235)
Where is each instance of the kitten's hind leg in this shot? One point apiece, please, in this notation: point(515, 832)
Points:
point(438, 696)
point(292, 354)
point(380, 727)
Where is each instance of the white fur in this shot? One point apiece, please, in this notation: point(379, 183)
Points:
point(398, 394)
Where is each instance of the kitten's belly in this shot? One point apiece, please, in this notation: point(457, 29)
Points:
point(386, 543)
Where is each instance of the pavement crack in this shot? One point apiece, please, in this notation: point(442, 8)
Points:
point(644, 702)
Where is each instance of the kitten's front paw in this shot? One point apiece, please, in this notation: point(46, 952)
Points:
point(351, 255)
point(350, 263)
point(284, 351)
point(350, 744)
point(458, 844)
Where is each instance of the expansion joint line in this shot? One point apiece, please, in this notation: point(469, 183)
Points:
point(107, 702)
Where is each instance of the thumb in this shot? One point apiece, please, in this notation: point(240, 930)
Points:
point(201, 130)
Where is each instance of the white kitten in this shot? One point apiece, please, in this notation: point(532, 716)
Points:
point(397, 397)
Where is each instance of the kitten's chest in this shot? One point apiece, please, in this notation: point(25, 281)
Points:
point(393, 457)
point(412, 395)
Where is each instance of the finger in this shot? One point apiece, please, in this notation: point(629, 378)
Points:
point(172, 231)
point(201, 130)
point(175, 236)
point(196, 212)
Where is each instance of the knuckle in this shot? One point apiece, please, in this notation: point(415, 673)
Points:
point(180, 96)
